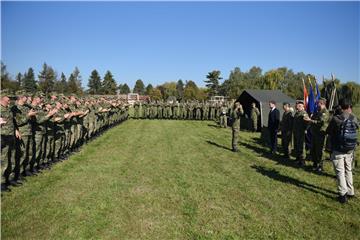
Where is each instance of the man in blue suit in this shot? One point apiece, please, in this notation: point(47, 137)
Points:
point(273, 125)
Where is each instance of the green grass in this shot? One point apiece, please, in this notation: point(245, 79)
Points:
point(150, 179)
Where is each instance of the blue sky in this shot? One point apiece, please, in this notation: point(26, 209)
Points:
point(167, 41)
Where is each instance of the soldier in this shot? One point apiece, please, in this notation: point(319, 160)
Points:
point(136, 110)
point(23, 112)
point(198, 111)
point(299, 132)
point(286, 127)
point(236, 114)
point(254, 114)
point(8, 135)
point(159, 110)
point(318, 124)
point(223, 116)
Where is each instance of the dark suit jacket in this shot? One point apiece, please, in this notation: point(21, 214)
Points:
point(274, 119)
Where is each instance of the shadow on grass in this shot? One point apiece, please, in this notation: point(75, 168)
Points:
point(274, 174)
point(218, 145)
point(214, 125)
point(264, 152)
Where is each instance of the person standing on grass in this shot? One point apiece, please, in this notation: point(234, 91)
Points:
point(299, 128)
point(318, 124)
point(286, 127)
point(273, 125)
point(342, 130)
point(254, 114)
point(235, 115)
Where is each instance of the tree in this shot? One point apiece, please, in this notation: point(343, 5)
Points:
point(168, 89)
point(29, 82)
point(124, 89)
point(180, 89)
point(47, 78)
point(74, 82)
point(61, 84)
point(109, 84)
point(149, 88)
point(6, 81)
point(212, 82)
point(190, 90)
point(139, 87)
point(351, 92)
point(155, 94)
point(19, 80)
point(95, 83)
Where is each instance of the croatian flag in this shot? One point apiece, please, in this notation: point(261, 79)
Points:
point(305, 96)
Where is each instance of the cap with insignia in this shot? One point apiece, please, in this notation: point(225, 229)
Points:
point(322, 100)
point(299, 101)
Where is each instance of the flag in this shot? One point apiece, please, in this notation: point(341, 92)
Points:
point(318, 95)
point(305, 96)
point(311, 100)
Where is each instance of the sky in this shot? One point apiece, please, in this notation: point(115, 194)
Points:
point(166, 41)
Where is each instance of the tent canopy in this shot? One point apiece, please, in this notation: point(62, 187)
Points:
point(261, 98)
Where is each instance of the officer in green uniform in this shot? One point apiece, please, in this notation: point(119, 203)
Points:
point(235, 116)
point(254, 115)
point(286, 126)
point(136, 110)
point(318, 124)
point(299, 132)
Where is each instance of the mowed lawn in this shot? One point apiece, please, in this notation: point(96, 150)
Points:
point(153, 179)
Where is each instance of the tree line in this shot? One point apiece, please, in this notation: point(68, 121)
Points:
point(282, 78)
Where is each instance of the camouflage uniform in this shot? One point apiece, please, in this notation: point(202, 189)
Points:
point(299, 135)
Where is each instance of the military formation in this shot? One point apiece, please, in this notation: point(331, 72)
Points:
point(190, 110)
point(38, 130)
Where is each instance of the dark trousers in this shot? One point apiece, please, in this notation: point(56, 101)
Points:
point(273, 139)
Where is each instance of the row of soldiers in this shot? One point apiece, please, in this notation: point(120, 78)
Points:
point(307, 132)
point(185, 110)
point(194, 110)
point(37, 131)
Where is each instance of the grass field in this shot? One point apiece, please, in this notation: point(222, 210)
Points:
point(150, 179)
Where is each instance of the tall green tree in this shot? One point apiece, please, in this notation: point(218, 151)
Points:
point(29, 83)
point(47, 77)
point(6, 81)
point(61, 84)
point(213, 82)
point(124, 89)
point(155, 94)
point(109, 84)
point(139, 87)
point(19, 80)
point(191, 90)
point(180, 89)
point(74, 82)
point(95, 85)
point(148, 89)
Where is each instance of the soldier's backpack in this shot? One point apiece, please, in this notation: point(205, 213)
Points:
point(347, 135)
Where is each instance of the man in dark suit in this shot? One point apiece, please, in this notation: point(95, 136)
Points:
point(273, 125)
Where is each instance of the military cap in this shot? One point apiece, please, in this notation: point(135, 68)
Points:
point(322, 99)
point(299, 101)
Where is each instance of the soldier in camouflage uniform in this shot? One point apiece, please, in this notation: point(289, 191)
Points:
point(7, 140)
point(198, 112)
point(235, 116)
point(254, 115)
point(318, 124)
point(286, 126)
point(299, 132)
point(223, 116)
